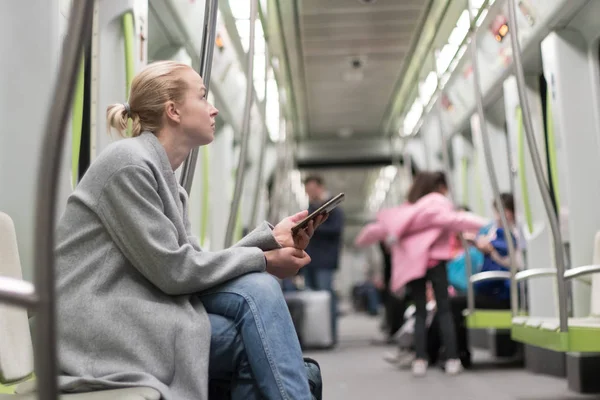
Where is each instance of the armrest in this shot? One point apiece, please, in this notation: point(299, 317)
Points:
point(490, 276)
point(581, 271)
point(17, 292)
point(534, 273)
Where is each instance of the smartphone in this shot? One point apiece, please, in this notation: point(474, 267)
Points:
point(324, 209)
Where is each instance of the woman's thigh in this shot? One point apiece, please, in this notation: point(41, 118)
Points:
point(256, 291)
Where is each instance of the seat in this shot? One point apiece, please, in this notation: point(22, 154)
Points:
point(583, 335)
point(488, 319)
point(117, 394)
point(16, 349)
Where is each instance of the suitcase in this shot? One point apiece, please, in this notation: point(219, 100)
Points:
point(296, 308)
point(315, 329)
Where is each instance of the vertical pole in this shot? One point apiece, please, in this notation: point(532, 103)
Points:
point(78, 34)
point(245, 132)
point(263, 149)
point(206, 56)
point(538, 169)
point(446, 162)
point(514, 296)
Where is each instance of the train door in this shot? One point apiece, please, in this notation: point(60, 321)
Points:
point(573, 118)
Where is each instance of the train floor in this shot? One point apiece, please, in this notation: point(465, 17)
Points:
point(355, 370)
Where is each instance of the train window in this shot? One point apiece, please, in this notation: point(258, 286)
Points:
point(84, 148)
point(548, 141)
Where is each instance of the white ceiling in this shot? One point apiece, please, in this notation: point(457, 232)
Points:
point(328, 37)
point(335, 99)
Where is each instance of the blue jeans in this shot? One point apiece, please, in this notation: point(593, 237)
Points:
point(322, 279)
point(229, 369)
point(369, 290)
point(256, 309)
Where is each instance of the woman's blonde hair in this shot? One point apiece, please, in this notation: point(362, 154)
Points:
point(156, 84)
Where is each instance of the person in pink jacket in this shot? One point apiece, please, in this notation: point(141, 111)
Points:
point(420, 232)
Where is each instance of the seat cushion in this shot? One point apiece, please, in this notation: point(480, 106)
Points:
point(136, 393)
point(16, 350)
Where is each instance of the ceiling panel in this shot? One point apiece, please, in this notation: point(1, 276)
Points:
point(352, 54)
point(354, 182)
point(345, 58)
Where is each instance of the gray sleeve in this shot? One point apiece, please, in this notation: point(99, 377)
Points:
point(132, 212)
point(261, 237)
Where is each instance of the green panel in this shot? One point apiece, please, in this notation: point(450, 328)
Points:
point(522, 170)
point(578, 339)
point(205, 194)
point(465, 179)
point(237, 229)
point(584, 339)
point(551, 340)
point(129, 35)
point(484, 319)
point(6, 389)
point(77, 122)
point(9, 387)
point(478, 185)
point(552, 149)
point(238, 226)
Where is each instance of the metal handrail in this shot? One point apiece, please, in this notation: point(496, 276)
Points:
point(206, 56)
point(17, 292)
point(534, 273)
point(245, 132)
point(263, 151)
point(559, 257)
point(581, 271)
point(79, 31)
point(514, 296)
point(490, 276)
point(450, 181)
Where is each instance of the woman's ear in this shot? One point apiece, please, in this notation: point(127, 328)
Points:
point(172, 112)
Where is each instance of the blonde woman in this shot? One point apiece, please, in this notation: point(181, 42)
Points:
point(140, 303)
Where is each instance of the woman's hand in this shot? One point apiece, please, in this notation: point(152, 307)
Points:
point(286, 262)
point(484, 245)
point(283, 230)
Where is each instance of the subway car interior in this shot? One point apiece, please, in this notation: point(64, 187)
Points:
point(444, 123)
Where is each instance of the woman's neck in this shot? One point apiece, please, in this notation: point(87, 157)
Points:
point(177, 149)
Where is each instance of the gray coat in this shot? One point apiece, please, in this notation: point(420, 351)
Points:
point(128, 268)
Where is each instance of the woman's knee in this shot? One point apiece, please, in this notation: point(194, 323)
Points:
point(260, 285)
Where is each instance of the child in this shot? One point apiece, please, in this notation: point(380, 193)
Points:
point(421, 230)
point(492, 242)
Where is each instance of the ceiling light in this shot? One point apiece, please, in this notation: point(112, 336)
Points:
point(353, 76)
point(345, 132)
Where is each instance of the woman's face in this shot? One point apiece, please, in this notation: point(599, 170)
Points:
point(443, 190)
point(196, 113)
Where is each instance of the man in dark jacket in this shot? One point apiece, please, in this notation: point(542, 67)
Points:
point(325, 245)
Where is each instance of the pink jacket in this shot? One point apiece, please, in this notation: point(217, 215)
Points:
point(422, 232)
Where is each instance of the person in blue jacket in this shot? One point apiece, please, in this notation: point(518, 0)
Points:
point(493, 243)
point(325, 245)
point(457, 266)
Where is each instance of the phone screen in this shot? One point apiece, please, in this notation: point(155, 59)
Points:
point(324, 209)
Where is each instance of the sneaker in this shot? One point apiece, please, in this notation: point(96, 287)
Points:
point(315, 380)
point(393, 357)
point(399, 358)
point(465, 360)
point(381, 338)
point(453, 366)
point(405, 361)
point(419, 367)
